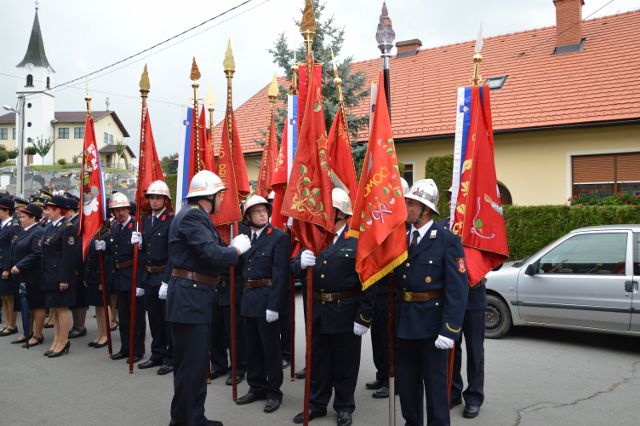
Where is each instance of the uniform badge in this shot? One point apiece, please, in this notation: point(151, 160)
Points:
point(461, 267)
point(71, 241)
point(163, 217)
point(130, 225)
point(269, 231)
point(433, 234)
point(427, 279)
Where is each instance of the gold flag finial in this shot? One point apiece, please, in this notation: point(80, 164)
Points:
point(476, 78)
point(195, 72)
point(273, 88)
point(145, 84)
point(229, 63)
point(308, 24)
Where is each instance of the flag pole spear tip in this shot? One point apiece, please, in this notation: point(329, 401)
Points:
point(476, 78)
point(229, 63)
point(273, 89)
point(195, 72)
point(87, 96)
point(308, 24)
point(385, 35)
point(145, 85)
point(337, 81)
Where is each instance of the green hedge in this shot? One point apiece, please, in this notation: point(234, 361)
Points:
point(172, 182)
point(439, 169)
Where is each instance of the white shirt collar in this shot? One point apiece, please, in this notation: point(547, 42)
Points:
point(57, 221)
point(7, 220)
point(258, 232)
point(126, 222)
point(157, 216)
point(30, 226)
point(340, 231)
point(422, 231)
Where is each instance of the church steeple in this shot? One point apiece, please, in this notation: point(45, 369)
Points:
point(35, 51)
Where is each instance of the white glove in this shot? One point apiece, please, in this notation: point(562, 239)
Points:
point(136, 238)
point(443, 342)
point(162, 293)
point(242, 243)
point(139, 292)
point(100, 245)
point(359, 329)
point(307, 258)
point(272, 316)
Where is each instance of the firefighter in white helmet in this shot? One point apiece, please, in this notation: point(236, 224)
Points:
point(341, 315)
point(433, 290)
point(198, 257)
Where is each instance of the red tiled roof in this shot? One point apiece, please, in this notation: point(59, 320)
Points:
point(598, 84)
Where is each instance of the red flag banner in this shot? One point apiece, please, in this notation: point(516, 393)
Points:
point(279, 182)
point(239, 166)
point(478, 211)
point(308, 195)
point(149, 166)
point(93, 208)
point(380, 212)
point(303, 88)
point(342, 171)
point(206, 140)
point(268, 162)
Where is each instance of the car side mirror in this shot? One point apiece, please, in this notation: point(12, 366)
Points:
point(532, 269)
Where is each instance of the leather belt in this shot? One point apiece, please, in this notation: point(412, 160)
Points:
point(155, 269)
point(423, 296)
point(257, 283)
point(195, 276)
point(335, 297)
point(124, 264)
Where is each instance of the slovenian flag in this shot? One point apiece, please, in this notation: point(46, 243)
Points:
point(184, 162)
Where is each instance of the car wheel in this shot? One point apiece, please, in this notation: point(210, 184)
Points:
point(497, 318)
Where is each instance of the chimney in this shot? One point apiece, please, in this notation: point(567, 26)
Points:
point(408, 48)
point(568, 22)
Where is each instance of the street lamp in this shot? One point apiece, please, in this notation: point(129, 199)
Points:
point(20, 158)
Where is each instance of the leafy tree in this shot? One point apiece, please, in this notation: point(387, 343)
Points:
point(43, 146)
point(169, 164)
point(30, 150)
point(328, 36)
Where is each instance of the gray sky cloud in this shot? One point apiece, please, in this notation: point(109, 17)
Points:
point(81, 36)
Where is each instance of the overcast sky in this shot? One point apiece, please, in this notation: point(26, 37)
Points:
point(81, 36)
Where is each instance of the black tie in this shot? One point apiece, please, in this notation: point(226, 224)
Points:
point(153, 220)
point(253, 239)
point(414, 239)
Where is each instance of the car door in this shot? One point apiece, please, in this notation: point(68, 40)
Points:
point(635, 313)
point(580, 282)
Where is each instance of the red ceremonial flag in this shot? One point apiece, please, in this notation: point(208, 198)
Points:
point(268, 162)
point(303, 89)
point(207, 141)
point(149, 166)
point(93, 208)
point(380, 212)
point(279, 183)
point(229, 206)
point(343, 173)
point(239, 167)
point(308, 195)
point(478, 216)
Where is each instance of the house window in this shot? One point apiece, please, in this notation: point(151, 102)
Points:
point(13, 133)
point(4, 134)
point(63, 133)
point(78, 132)
point(606, 174)
point(408, 173)
point(48, 82)
point(29, 80)
point(110, 139)
point(495, 83)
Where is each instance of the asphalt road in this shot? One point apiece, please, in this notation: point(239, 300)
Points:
point(533, 377)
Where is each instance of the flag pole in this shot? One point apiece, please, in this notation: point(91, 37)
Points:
point(385, 35)
point(145, 88)
point(308, 30)
point(293, 90)
point(229, 69)
point(103, 288)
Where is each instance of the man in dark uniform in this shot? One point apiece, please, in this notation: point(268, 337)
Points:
point(153, 270)
point(79, 310)
point(265, 269)
point(122, 266)
point(198, 257)
point(341, 315)
point(433, 289)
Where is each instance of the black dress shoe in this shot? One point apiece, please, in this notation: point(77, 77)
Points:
point(455, 402)
point(216, 374)
point(164, 369)
point(28, 345)
point(212, 423)
point(64, 350)
point(249, 398)
point(119, 355)
point(239, 379)
point(299, 418)
point(100, 345)
point(300, 374)
point(271, 405)
point(285, 364)
point(375, 385)
point(75, 333)
point(18, 341)
point(381, 393)
point(136, 358)
point(344, 418)
point(471, 411)
point(91, 344)
point(149, 363)
point(8, 331)
point(47, 352)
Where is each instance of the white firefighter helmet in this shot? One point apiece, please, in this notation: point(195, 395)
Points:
point(205, 183)
point(271, 196)
point(254, 200)
point(405, 185)
point(158, 187)
point(341, 201)
point(425, 191)
point(117, 200)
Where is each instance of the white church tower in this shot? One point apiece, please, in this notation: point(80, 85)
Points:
point(34, 94)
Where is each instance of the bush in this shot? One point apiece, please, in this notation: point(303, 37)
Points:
point(30, 150)
point(172, 182)
point(619, 199)
point(439, 169)
point(62, 161)
point(531, 228)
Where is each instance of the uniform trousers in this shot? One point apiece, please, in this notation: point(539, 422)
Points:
point(190, 365)
point(264, 359)
point(422, 370)
point(473, 331)
point(380, 338)
point(221, 340)
point(124, 316)
point(161, 343)
point(335, 362)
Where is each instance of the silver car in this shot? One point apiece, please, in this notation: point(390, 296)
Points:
point(586, 280)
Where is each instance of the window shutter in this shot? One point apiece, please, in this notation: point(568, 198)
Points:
point(628, 167)
point(593, 168)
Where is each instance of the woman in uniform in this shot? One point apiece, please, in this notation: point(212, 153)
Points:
point(9, 228)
